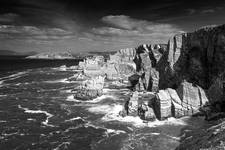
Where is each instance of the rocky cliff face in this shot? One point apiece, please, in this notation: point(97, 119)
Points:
point(197, 57)
point(183, 74)
point(90, 88)
point(146, 60)
point(118, 66)
point(191, 65)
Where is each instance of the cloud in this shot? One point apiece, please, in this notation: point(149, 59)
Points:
point(130, 29)
point(8, 17)
point(32, 32)
point(114, 31)
point(191, 11)
point(207, 11)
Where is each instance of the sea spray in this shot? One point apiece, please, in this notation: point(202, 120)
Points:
point(26, 110)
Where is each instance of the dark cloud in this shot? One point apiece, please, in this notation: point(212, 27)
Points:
point(85, 25)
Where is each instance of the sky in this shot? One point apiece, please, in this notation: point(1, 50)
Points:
point(100, 25)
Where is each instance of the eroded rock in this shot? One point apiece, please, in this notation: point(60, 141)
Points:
point(90, 88)
point(184, 101)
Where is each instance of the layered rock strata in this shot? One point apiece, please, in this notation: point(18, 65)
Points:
point(90, 88)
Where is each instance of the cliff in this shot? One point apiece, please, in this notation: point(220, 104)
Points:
point(185, 77)
point(197, 57)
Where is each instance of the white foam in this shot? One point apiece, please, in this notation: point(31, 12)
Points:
point(110, 131)
point(61, 68)
point(155, 133)
point(58, 81)
point(100, 98)
point(115, 90)
point(93, 101)
point(73, 119)
point(63, 145)
point(112, 114)
point(102, 109)
point(72, 99)
point(64, 80)
point(12, 77)
point(10, 134)
point(31, 119)
point(26, 110)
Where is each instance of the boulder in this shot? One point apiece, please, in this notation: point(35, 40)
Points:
point(184, 101)
point(162, 105)
point(90, 88)
point(137, 105)
point(148, 112)
point(134, 80)
point(87, 94)
point(177, 108)
point(133, 104)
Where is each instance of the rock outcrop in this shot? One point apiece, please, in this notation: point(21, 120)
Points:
point(121, 65)
point(184, 101)
point(197, 57)
point(118, 66)
point(90, 88)
point(146, 60)
point(184, 74)
point(138, 105)
point(92, 65)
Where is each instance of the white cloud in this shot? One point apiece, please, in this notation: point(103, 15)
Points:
point(23, 32)
point(191, 11)
point(208, 11)
point(130, 29)
point(115, 31)
point(8, 17)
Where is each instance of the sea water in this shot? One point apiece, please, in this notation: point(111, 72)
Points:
point(38, 111)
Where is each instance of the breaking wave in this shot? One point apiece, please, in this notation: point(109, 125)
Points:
point(46, 122)
point(12, 77)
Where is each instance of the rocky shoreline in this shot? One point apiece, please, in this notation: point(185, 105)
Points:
point(185, 77)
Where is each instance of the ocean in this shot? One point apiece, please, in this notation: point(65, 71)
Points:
point(38, 111)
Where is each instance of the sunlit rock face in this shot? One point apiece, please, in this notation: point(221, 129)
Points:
point(184, 101)
point(192, 97)
point(92, 66)
point(120, 65)
point(123, 56)
point(90, 88)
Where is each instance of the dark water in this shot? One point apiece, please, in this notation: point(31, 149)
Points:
point(38, 111)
